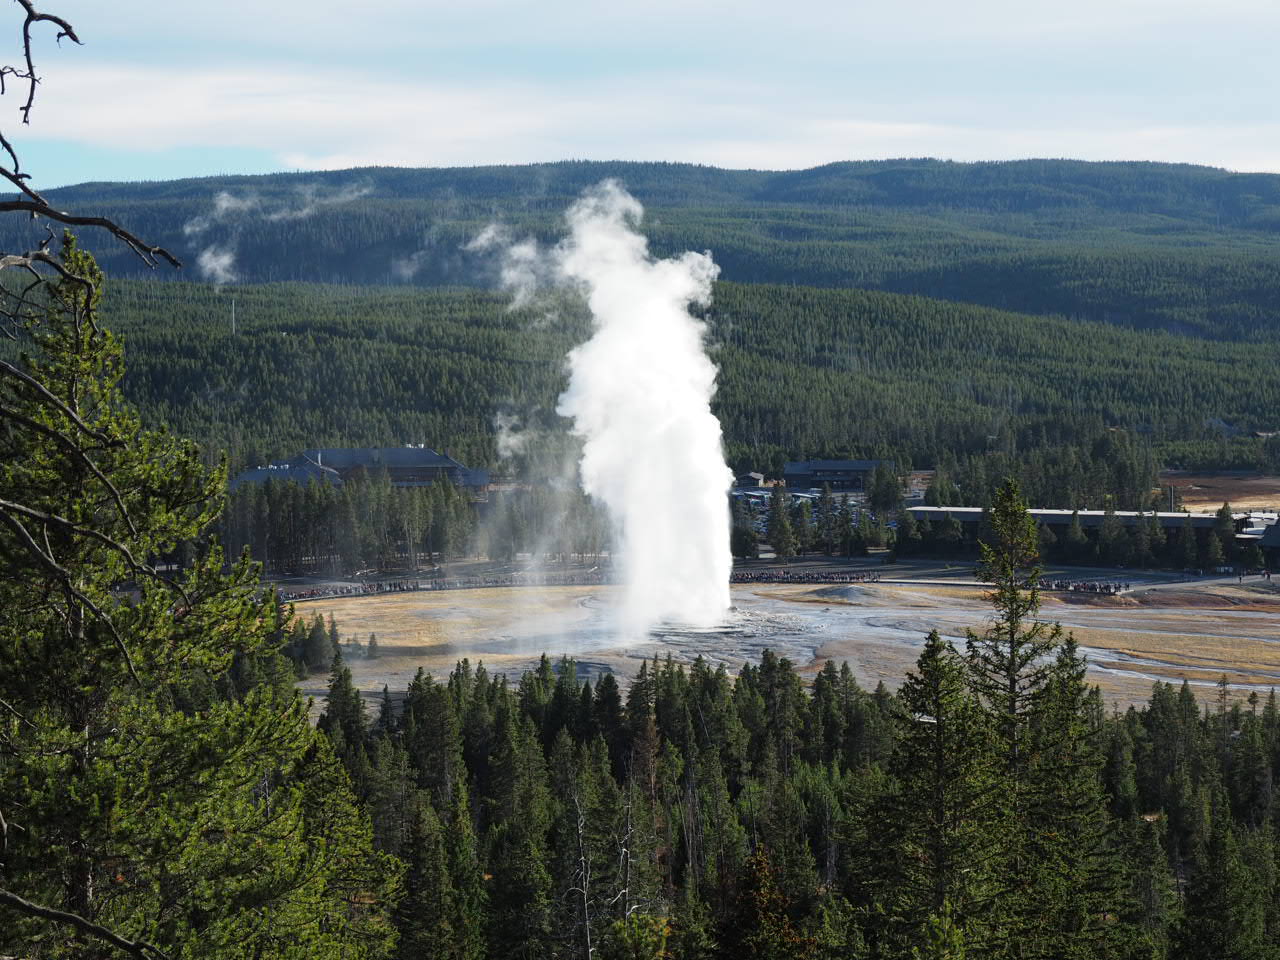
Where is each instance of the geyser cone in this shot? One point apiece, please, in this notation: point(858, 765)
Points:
point(640, 397)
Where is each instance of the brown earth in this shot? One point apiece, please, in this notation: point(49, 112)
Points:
point(1163, 630)
point(1209, 491)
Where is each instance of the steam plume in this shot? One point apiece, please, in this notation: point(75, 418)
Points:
point(217, 261)
point(218, 264)
point(640, 395)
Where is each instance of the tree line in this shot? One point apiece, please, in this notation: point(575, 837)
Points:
point(367, 523)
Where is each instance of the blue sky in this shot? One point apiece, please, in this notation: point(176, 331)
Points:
point(247, 86)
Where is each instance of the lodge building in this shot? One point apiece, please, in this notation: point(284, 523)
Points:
point(409, 466)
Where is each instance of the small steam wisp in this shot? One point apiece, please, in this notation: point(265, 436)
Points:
point(640, 396)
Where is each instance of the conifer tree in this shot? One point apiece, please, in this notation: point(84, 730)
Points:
point(939, 824)
point(1007, 661)
point(1224, 529)
point(761, 926)
point(428, 918)
point(781, 536)
point(1076, 872)
point(825, 519)
point(1078, 547)
point(1187, 543)
point(141, 813)
point(1225, 913)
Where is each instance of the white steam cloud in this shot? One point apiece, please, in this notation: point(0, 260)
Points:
point(216, 262)
point(523, 270)
point(639, 396)
point(511, 438)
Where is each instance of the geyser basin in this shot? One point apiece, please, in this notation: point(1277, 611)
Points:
point(879, 629)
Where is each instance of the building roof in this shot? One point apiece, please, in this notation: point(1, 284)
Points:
point(852, 466)
point(1271, 538)
point(348, 458)
point(300, 473)
point(328, 464)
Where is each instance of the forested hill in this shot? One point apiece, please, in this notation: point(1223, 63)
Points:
point(803, 372)
point(1184, 248)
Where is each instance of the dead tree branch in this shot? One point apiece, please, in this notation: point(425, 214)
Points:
point(139, 948)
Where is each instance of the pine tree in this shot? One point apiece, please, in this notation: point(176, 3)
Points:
point(1007, 662)
point(1190, 549)
point(1011, 672)
point(1225, 914)
point(938, 827)
point(1224, 530)
point(141, 803)
point(885, 494)
point(825, 517)
point(1076, 870)
point(908, 542)
point(781, 537)
point(520, 894)
point(1214, 556)
point(428, 917)
point(761, 926)
point(319, 649)
point(743, 542)
point(1078, 547)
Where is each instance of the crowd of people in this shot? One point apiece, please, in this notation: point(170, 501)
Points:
point(776, 575)
point(352, 590)
point(584, 578)
point(1103, 587)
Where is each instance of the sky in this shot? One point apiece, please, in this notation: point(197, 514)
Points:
point(161, 91)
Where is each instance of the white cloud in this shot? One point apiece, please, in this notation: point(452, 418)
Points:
point(291, 25)
point(324, 121)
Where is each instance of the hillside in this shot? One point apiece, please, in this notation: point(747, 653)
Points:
point(1024, 315)
point(1185, 248)
point(804, 372)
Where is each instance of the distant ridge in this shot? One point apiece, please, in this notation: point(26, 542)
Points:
point(1181, 247)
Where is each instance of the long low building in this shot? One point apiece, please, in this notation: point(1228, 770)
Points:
point(1090, 518)
point(410, 466)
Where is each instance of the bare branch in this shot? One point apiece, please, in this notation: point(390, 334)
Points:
point(40, 209)
point(14, 710)
point(139, 948)
point(33, 17)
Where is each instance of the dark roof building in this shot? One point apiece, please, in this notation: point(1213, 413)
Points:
point(840, 475)
point(411, 466)
point(1270, 544)
point(299, 473)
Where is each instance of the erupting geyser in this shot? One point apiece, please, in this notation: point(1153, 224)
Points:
point(640, 395)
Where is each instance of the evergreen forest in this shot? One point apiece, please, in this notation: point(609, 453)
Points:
point(917, 310)
point(804, 372)
point(992, 807)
